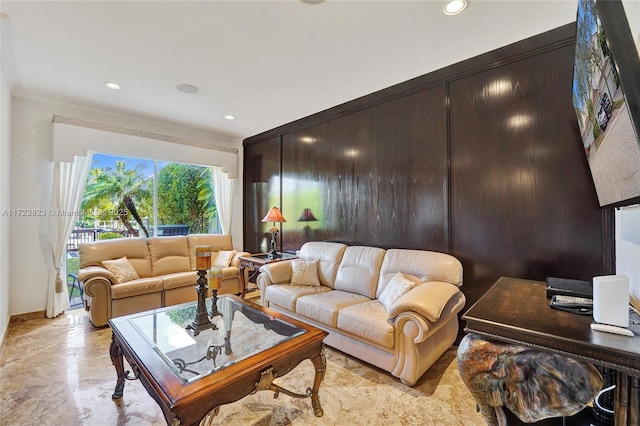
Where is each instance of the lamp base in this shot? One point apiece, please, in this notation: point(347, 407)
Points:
point(273, 254)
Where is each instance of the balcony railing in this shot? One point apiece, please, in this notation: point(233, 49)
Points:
point(87, 235)
point(79, 236)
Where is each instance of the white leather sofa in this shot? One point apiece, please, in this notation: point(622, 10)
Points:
point(404, 339)
point(165, 267)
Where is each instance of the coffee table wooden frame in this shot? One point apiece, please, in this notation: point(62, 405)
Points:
point(199, 401)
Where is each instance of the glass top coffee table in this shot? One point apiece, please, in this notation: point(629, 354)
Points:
point(191, 376)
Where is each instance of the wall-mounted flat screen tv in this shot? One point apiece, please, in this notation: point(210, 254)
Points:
point(606, 97)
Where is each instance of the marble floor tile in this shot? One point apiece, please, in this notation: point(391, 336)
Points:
point(58, 372)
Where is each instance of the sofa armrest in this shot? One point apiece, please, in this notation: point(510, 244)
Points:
point(235, 261)
point(85, 274)
point(97, 291)
point(430, 300)
point(277, 272)
point(273, 273)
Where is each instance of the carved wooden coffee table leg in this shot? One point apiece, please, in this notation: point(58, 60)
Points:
point(320, 365)
point(118, 362)
point(210, 417)
point(268, 375)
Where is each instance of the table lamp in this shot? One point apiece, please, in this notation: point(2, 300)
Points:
point(274, 215)
point(307, 216)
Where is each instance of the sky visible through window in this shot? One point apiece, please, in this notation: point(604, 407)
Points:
point(102, 161)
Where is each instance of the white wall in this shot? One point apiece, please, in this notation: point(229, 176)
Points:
point(628, 249)
point(628, 218)
point(31, 180)
point(5, 190)
point(632, 10)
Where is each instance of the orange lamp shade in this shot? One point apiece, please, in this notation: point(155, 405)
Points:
point(274, 215)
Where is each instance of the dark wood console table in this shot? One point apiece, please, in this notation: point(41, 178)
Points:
point(517, 311)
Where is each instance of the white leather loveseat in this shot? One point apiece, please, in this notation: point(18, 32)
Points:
point(406, 336)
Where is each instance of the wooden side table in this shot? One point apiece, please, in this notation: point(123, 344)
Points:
point(517, 311)
point(252, 264)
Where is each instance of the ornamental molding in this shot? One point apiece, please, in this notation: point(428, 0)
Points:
point(73, 121)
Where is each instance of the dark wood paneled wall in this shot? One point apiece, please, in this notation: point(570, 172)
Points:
point(261, 191)
point(482, 160)
point(376, 176)
point(522, 200)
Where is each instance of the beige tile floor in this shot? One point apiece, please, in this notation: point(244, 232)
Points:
point(58, 372)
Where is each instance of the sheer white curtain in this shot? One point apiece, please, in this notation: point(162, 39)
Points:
point(69, 180)
point(223, 193)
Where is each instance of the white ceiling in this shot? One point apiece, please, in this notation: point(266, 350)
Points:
point(266, 62)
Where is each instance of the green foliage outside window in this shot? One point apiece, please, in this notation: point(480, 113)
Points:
point(109, 236)
point(124, 192)
point(185, 197)
point(121, 193)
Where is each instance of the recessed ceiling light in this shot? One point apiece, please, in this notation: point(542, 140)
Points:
point(312, 1)
point(230, 117)
point(112, 85)
point(187, 88)
point(454, 7)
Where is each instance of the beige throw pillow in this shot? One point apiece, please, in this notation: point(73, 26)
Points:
point(223, 259)
point(398, 286)
point(122, 269)
point(305, 273)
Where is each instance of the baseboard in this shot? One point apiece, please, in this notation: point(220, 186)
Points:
point(27, 316)
point(4, 339)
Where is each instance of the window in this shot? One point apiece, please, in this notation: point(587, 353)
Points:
point(128, 196)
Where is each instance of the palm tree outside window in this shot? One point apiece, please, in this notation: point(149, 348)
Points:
point(138, 197)
point(114, 192)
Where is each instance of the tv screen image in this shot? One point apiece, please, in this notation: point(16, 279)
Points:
point(608, 126)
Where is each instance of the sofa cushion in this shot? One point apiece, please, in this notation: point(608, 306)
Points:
point(367, 320)
point(137, 287)
point(169, 254)
point(398, 286)
point(304, 272)
point(230, 272)
point(122, 269)
point(324, 307)
point(359, 270)
point(179, 279)
point(425, 265)
point(329, 256)
point(135, 249)
point(223, 258)
point(286, 295)
point(216, 241)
